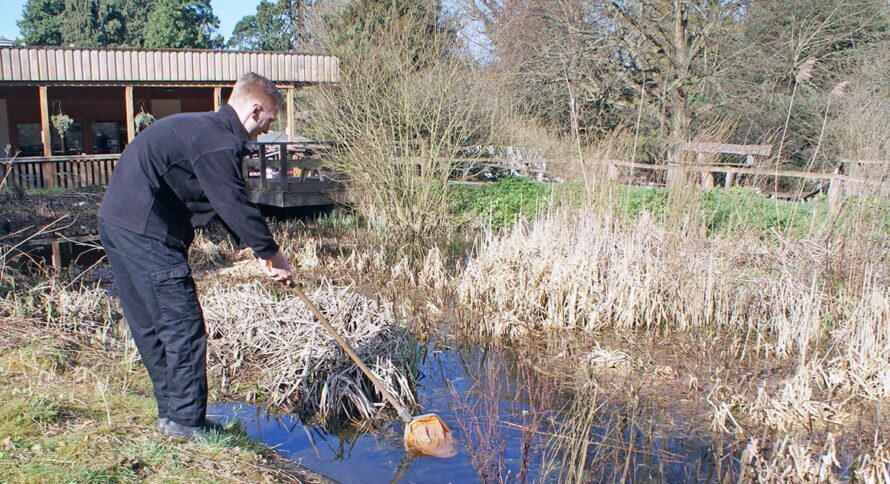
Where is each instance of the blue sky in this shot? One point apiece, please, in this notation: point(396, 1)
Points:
point(228, 11)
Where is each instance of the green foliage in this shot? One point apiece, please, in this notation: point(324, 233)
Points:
point(740, 210)
point(84, 23)
point(344, 221)
point(501, 202)
point(41, 22)
point(180, 24)
point(277, 25)
point(120, 23)
point(62, 123)
point(143, 120)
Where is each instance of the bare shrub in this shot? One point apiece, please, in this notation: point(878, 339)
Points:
point(403, 109)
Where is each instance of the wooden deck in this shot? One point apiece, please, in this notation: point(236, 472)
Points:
point(67, 172)
point(291, 175)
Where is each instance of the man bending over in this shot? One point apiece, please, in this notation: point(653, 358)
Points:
point(177, 175)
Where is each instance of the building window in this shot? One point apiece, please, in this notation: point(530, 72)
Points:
point(73, 140)
point(30, 143)
point(108, 137)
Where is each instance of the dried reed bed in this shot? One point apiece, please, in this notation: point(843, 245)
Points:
point(822, 302)
point(255, 328)
point(787, 460)
point(589, 271)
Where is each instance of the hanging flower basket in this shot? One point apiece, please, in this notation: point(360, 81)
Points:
point(143, 120)
point(62, 123)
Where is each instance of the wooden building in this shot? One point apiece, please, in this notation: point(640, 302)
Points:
point(103, 90)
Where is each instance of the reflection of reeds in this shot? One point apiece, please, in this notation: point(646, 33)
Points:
point(569, 449)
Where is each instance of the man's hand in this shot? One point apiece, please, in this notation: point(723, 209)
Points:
point(277, 267)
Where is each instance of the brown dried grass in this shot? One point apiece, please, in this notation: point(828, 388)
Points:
point(255, 328)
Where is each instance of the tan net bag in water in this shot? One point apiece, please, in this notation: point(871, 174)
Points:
point(424, 435)
point(428, 435)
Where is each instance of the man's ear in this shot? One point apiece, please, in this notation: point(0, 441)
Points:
point(255, 111)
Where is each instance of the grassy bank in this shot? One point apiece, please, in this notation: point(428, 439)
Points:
point(739, 211)
point(73, 411)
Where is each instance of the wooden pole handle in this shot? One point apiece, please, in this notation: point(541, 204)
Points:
point(403, 413)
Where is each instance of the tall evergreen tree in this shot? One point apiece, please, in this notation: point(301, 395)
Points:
point(120, 23)
point(94, 23)
point(277, 25)
point(181, 24)
point(41, 22)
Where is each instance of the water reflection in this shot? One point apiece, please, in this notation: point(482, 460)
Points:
point(450, 383)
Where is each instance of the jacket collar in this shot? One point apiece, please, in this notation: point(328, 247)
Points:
point(230, 120)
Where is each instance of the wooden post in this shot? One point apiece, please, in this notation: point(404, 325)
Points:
point(283, 167)
point(56, 255)
point(676, 176)
point(48, 169)
point(835, 194)
point(291, 129)
point(613, 172)
point(707, 180)
point(45, 135)
point(730, 176)
point(217, 98)
point(262, 167)
point(131, 115)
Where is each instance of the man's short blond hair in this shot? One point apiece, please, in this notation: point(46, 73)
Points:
point(252, 86)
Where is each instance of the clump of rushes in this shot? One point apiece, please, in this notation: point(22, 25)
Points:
point(588, 271)
point(255, 327)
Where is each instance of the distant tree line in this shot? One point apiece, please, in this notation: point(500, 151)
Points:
point(121, 23)
point(589, 66)
point(672, 68)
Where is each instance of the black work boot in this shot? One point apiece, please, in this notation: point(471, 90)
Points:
point(192, 434)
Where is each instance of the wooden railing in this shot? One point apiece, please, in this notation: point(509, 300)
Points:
point(836, 184)
point(289, 175)
point(68, 172)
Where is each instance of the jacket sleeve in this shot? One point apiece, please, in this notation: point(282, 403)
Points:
point(219, 173)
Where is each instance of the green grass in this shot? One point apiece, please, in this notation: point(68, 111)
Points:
point(339, 221)
point(739, 211)
point(76, 413)
point(500, 203)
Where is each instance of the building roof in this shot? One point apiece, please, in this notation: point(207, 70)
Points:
point(66, 65)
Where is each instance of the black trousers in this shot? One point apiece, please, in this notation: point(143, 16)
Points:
point(158, 296)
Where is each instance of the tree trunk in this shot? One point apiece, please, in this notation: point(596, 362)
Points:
point(680, 67)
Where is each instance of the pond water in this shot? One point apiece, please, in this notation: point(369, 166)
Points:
point(448, 388)
point(459, 385)
point(34, 255)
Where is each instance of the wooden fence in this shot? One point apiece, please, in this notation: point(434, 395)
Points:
point(69, 172)
point(290, 175)
point(837, 184)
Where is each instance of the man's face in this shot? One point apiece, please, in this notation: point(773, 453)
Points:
point(263, 115)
